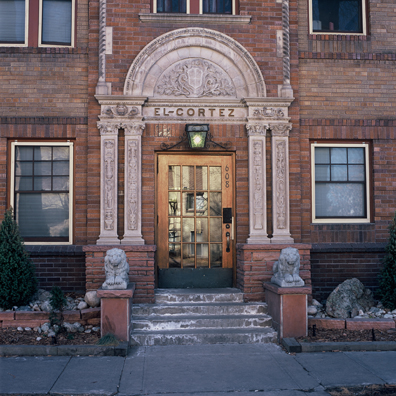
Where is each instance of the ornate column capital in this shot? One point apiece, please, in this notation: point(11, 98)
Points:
point(256, 129)
point(281, 129)
point(108, 128)
point(133, 128)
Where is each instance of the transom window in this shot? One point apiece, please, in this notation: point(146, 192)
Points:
point(337, 16)
point(194, 6)
point(41, 191)
point(37, 23)
point(340, 183)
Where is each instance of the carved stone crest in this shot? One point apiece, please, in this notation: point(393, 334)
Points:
point(195, 78)
point(269, 112)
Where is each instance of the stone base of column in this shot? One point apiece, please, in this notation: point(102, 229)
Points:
point(282, 239)
point(115, 312)
point(288, 308)
point(257, 240)
point(107, 240)
point(132, 240)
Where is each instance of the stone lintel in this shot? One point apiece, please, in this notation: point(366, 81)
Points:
point(195, 18)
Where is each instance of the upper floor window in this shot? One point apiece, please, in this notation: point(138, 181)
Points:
point(340, 183)
point(41, 190)
point(194, 6)
point(337, 16)
point(37, 23)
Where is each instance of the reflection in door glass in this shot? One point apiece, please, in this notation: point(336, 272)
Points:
point(215, 204)
point(188, 178)
point(188, 230)
point(215, 178)
point(202, 203)
point(174, 255)
point(202, 255)
point(188, 255)
point(174, 177)
point(215, 229)
point(188, 204)
point(174, 204)
point(174, 230)
point(215, 255)
point(201, 175)
point(202, 230)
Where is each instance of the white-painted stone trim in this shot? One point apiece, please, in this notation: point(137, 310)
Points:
point(196, 18)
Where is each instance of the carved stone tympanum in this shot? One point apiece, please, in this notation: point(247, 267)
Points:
point(195, 78)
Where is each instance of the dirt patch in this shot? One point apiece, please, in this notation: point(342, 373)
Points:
point(343, 335)
point(12, 336)
point(370, 390)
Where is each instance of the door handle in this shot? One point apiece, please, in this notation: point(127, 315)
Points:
point(228, 241)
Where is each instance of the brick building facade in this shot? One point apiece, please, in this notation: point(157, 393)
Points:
point(302, 139)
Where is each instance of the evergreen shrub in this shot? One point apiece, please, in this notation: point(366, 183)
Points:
point(387, 277)
point(18, 282)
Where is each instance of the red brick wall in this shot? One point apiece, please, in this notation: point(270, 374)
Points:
point(254, 266)
point(141, 269)
point(333, 265)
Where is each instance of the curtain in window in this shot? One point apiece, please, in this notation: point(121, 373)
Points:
point(57, 22)
point(12, 21)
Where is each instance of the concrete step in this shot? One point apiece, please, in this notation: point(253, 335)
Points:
point(203, 336)
point(177, 296)
point(201, 322)
point(195, 309)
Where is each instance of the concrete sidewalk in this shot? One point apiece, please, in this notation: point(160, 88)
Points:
point(198, 370)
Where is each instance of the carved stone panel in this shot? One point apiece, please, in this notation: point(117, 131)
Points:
point(195, 78)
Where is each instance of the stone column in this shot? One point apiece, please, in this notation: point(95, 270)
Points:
point(280, 183)
point(257, 132)
point(133, 184)
point(108, 183)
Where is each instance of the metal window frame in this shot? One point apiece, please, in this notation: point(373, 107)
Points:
point(342, 220)
point(68, 144)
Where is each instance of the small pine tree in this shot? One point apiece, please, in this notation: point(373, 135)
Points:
point(58, 302)
point(18, 283)
point(387, 277)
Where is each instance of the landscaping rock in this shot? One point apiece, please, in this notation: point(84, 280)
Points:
point(348, 298)
point(92, 299)
point(312, 310)
point(82, 305)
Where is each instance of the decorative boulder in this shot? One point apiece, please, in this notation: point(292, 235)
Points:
point(287, 268)
point(348, 298)
point(117, 270)
point(92, 299)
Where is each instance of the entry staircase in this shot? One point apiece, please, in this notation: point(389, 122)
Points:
point(200, 316)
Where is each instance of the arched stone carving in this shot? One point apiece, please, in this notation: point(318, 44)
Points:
point(163, 54)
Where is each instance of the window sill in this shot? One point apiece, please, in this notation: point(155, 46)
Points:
point(338, 36)
point(218, 19)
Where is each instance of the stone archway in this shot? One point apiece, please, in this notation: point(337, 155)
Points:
point(172, 48)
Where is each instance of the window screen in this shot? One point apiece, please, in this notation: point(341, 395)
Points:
point(12, 21)
point(57, 22)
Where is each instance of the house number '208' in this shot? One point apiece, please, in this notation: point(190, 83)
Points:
point(227, 176)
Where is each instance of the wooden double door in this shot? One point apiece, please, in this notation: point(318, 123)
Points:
point(195, 223)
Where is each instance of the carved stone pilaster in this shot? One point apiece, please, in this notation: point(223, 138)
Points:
point(257, 184)
point(280, 183)
point(133, 178)
point(108, 183)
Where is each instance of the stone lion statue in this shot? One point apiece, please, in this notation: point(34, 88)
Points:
point(117, 270)
point(287, 268)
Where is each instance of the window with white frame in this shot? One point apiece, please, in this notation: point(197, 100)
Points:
point(194, 6)
point(19, 25)
point(340, 183)
point(337, 16)
point(41, 190)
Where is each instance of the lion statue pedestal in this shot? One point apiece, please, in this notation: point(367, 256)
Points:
point(116, 296)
